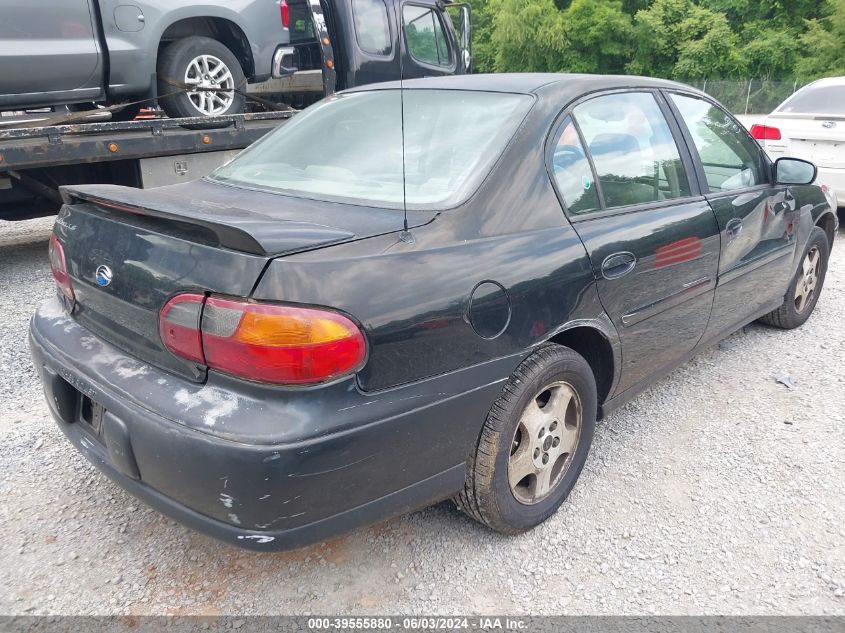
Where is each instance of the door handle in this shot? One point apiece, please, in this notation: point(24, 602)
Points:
point(618, 265)
point(733, 228)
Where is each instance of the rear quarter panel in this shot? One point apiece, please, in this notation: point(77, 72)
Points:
point(812, 204)
point(414, 299)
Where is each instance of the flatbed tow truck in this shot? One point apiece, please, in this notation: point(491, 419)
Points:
point(39, 154)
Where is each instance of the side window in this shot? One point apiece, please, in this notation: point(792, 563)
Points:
point(572, 171)
point(425, 36)
point(730, 157)
point(632, 148)
point(371, 26)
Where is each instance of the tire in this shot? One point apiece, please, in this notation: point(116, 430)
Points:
point(488, 495)
point(176, 69)
point(792, 314)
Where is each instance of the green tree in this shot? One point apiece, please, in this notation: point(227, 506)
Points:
point(825, 38)
point(527, 36)
point(600, 36)
point(769, 53)
point(772, 12)
point(593, 36)
point(679, 39)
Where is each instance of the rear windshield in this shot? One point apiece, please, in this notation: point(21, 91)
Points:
point(816, 100)
point(349, 147)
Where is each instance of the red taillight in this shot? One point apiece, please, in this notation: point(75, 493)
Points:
point(179, 326)
point(263, 342)
point(765, 132)
point(285, 9)
point(59, 267)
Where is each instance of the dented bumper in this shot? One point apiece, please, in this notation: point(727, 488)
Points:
point(260, 467)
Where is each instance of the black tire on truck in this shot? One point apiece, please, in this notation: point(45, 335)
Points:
point(205, 63)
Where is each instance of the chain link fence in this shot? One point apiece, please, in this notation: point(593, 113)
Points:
point(748, 96)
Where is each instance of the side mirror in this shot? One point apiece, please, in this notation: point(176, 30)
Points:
point(466, 37)
point(794, 171)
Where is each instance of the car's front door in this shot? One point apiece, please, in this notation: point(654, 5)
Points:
point(756, 218)
point(652, 240)
point(47, 47)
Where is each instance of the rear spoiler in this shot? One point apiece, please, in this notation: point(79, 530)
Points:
point(206, 222)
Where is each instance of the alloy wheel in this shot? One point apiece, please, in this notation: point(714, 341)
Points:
point(806, 287)
point(544, 442)
point(211, 79)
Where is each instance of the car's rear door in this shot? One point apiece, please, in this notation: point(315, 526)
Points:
point(756, 218)
point(48, 47)
point(653, 241)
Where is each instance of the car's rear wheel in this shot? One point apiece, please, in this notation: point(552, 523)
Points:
point(806, 286)
point(534, 442)
point(210, 72)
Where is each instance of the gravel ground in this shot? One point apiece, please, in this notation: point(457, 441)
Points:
point(719, 491)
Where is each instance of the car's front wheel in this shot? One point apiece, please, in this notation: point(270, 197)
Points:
point(534, 442)
point(806, 285)
point(209, 73)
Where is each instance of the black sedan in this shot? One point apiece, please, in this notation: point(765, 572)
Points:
point(403, 296)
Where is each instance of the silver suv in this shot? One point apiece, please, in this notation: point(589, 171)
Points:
point(83, 52)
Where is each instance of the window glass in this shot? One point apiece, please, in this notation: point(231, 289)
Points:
point(730, 157)
point(816, 100)
point(349, 147)
point(572, 170)
point(371, 26)
point(633, 150)
point(425, 36)
point(301, 24)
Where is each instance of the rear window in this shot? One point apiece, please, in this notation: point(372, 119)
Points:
point(816, 100)
point(349, 147)
point(301, 24)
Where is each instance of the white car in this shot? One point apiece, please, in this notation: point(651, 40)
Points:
point(811, 125)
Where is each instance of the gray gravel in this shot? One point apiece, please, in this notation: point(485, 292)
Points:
point(717, 491)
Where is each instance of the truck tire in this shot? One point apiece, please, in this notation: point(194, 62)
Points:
point(202, 62)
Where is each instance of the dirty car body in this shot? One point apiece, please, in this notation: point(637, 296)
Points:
point(633, 273)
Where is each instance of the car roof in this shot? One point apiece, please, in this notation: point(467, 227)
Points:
point(561, 85)
point(827, 81)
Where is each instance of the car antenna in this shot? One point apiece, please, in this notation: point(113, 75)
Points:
point(405, 236)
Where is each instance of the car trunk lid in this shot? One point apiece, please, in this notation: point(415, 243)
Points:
point(129, 251)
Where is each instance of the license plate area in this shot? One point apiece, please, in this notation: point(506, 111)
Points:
point(90, 415)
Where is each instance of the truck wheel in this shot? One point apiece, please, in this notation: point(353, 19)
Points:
point(534, 442)
point(207, 66)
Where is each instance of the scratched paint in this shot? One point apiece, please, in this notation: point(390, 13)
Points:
point(258, 538)
point(216, 403)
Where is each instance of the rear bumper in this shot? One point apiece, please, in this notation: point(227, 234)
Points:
point(251, 490)
point(283, 62)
